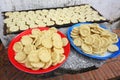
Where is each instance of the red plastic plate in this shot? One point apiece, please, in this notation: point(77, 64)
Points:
point(21, 67)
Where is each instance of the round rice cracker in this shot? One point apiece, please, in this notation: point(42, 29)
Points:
point(28, 48)
point(94, 26)
point(75, 33)
point(41, 48)
point(53, 29)
point(18, 47)
point(76, 29)
point(48, 64)
point(96, 36)
point(89, 40)
point(105, 41)
point(24, 61)
point(34, 38)
point(24, 27)
point(38, 41)
point(8, 13)
point(99, 50)
point(49, 23)
point(14, 29)
point(38, 64)
point(74, 21)
point(75, 36)
point(113, 48)
point(56, 36)
point(57, 61)
point(103, 50)
point(33, 57)
point(26, 40)
point(58, 43)
point(55, 58)
point(114, 37)
point(58, 50)
point(115, 40)
point(36, 32)
point(94, 31)
point(20, 56)
point(96, 42)
point(65, 41)
point(49, 33)
point(28, 64)
point(47, 42)
point(62, 58)
point(86, 48)
point(44, 56)
point(35, 68)
point(84, 30)
point(77, 41)
point(105, 33)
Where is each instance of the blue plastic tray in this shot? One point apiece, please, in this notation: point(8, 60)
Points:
point(106, 56)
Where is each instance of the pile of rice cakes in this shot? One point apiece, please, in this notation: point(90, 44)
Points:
point(93, 39)
point(22, 20)
point(40, 49)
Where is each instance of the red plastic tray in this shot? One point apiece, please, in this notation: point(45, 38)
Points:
point(21, 67)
